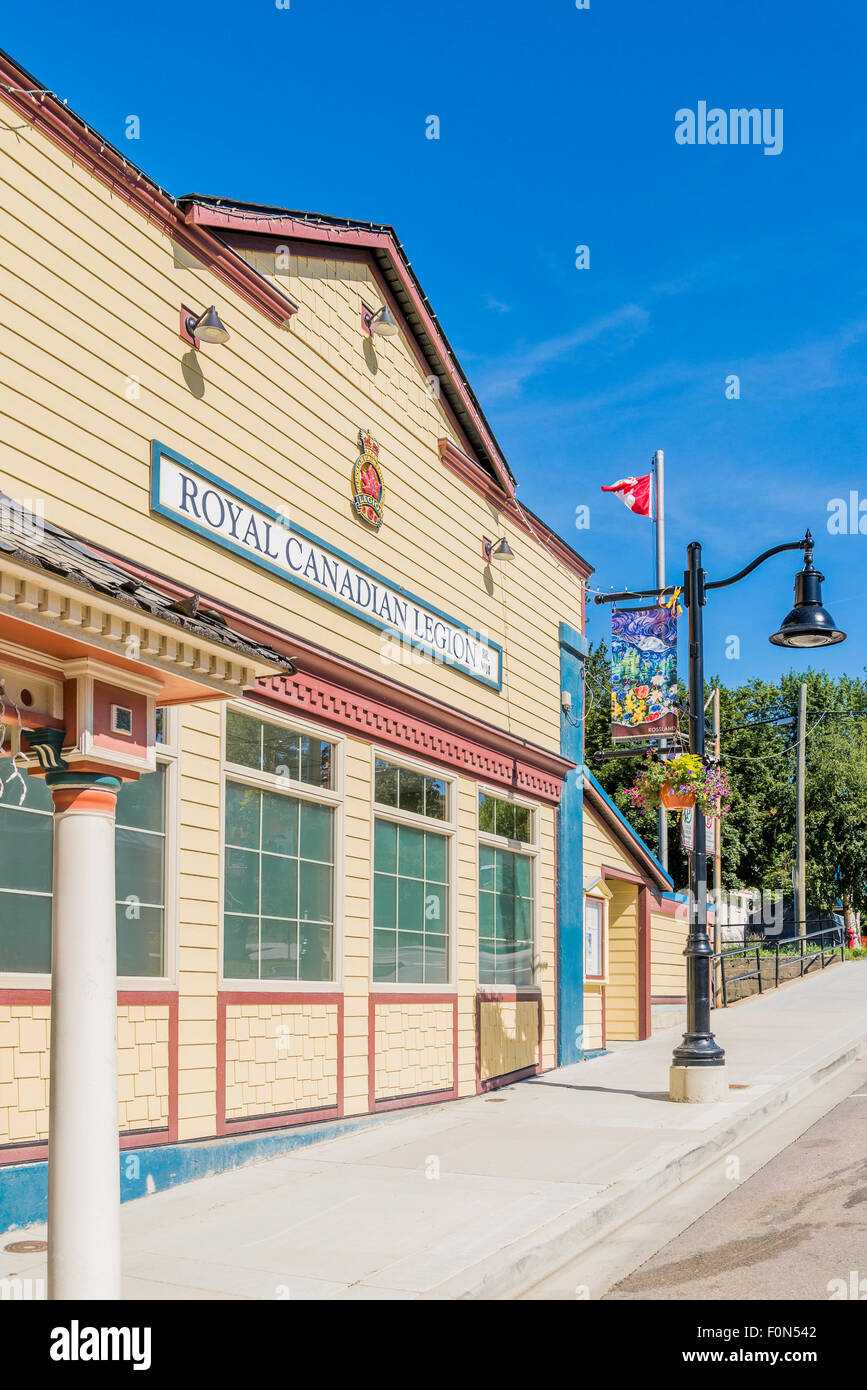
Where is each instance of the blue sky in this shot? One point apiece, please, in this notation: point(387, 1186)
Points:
point(557, 129)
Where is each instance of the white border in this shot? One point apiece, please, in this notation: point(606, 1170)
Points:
point(533, 850)
point(448, 828)
point(267, 781)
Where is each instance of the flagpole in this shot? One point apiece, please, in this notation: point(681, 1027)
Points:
point(658, 467)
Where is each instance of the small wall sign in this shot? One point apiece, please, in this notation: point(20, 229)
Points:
point(367, 481)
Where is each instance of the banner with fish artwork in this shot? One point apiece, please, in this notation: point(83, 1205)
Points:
point(644, 673)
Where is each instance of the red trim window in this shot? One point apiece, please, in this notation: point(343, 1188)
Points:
point(595, 940)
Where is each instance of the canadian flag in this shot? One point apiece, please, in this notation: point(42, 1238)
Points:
point(635, 493)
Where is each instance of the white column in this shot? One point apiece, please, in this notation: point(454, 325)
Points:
point(83, 1149)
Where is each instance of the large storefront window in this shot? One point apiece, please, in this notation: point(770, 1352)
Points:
point(506, 894)
point(410, 880)
point(278, 902)
point(26, 854)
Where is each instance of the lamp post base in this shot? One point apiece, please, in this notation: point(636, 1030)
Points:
point(697, 1084)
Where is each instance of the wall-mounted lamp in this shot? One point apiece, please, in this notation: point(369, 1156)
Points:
point(207, 328)
point(381, 322)
point(497, 550)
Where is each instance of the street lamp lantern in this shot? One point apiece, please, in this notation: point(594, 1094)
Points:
point(808, 624)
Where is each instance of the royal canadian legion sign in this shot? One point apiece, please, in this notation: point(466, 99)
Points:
point(192, 497)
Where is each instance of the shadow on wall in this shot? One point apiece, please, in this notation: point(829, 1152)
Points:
point(508, 1035)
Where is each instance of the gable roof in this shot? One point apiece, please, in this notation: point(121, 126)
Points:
point(381, 240)
point(203, 225)
point(625, 833)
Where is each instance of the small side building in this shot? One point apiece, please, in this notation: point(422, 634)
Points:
point(634, 929)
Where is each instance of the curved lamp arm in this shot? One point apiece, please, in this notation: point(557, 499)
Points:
point(806, 545)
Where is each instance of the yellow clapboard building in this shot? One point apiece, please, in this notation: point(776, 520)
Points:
point(269, 602)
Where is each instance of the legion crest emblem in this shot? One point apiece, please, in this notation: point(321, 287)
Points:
point(367, 482)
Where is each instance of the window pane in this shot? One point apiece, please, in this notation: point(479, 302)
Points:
point(241, 947)
point(38, 797)
point(315, 761)
point(385, 783)
point(279, 949)
point(486, 914)
point(522, 824)
point(410, 957)
point(505, 918)
point(522, 867)
point(279, 823)
point(487, 868)
point(410, 791)
point(385, 846)
point(435, 798)
point(436, 959)
point(410, 855)
point(26, 843)
point(25, 933)
point(316, 822)
point(410, 904)
point(242, 881)
point(279, 886)
point(314, 892)
point(160, 726)
point(139, 940)
point(384, 900)
point(487, 963)
point(243, 739)
point(314, 952)
point(141, 804)
point(435, 907)
point(506, 819)
point(523, 919)
point(242, 816)
point(487, 814)
point(384, 955)
point(280, 751)
point(138, 862)
point(435, 858)
point(505, 871)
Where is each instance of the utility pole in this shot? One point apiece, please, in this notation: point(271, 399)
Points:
point(800, 856)
point(659, 476)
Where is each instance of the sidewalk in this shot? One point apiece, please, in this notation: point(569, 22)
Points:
point(480, 1197)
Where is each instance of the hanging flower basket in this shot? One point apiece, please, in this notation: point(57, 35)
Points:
point(674, 798)
point(679, 783)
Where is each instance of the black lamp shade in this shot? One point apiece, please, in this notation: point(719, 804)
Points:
point(808, 624)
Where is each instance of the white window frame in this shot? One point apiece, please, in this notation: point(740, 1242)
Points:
point(448, 828)
point(601, 896)
point(168, 753)
point(269, 781)
point(532, 849)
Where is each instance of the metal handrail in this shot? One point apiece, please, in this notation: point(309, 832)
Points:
point(764, 944)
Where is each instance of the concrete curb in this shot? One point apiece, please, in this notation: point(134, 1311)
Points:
point(522, 1264)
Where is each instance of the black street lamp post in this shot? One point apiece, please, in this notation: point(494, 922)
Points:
point(697, 1071)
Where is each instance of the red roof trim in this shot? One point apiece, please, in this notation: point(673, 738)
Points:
point(205, 215)
point(470, 473)
point(54, 120)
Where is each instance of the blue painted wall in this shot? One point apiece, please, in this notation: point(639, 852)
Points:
point(570, 847)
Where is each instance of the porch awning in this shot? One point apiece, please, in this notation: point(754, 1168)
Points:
point(61, 598)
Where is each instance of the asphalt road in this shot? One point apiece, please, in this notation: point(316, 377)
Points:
point(786, 1232)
